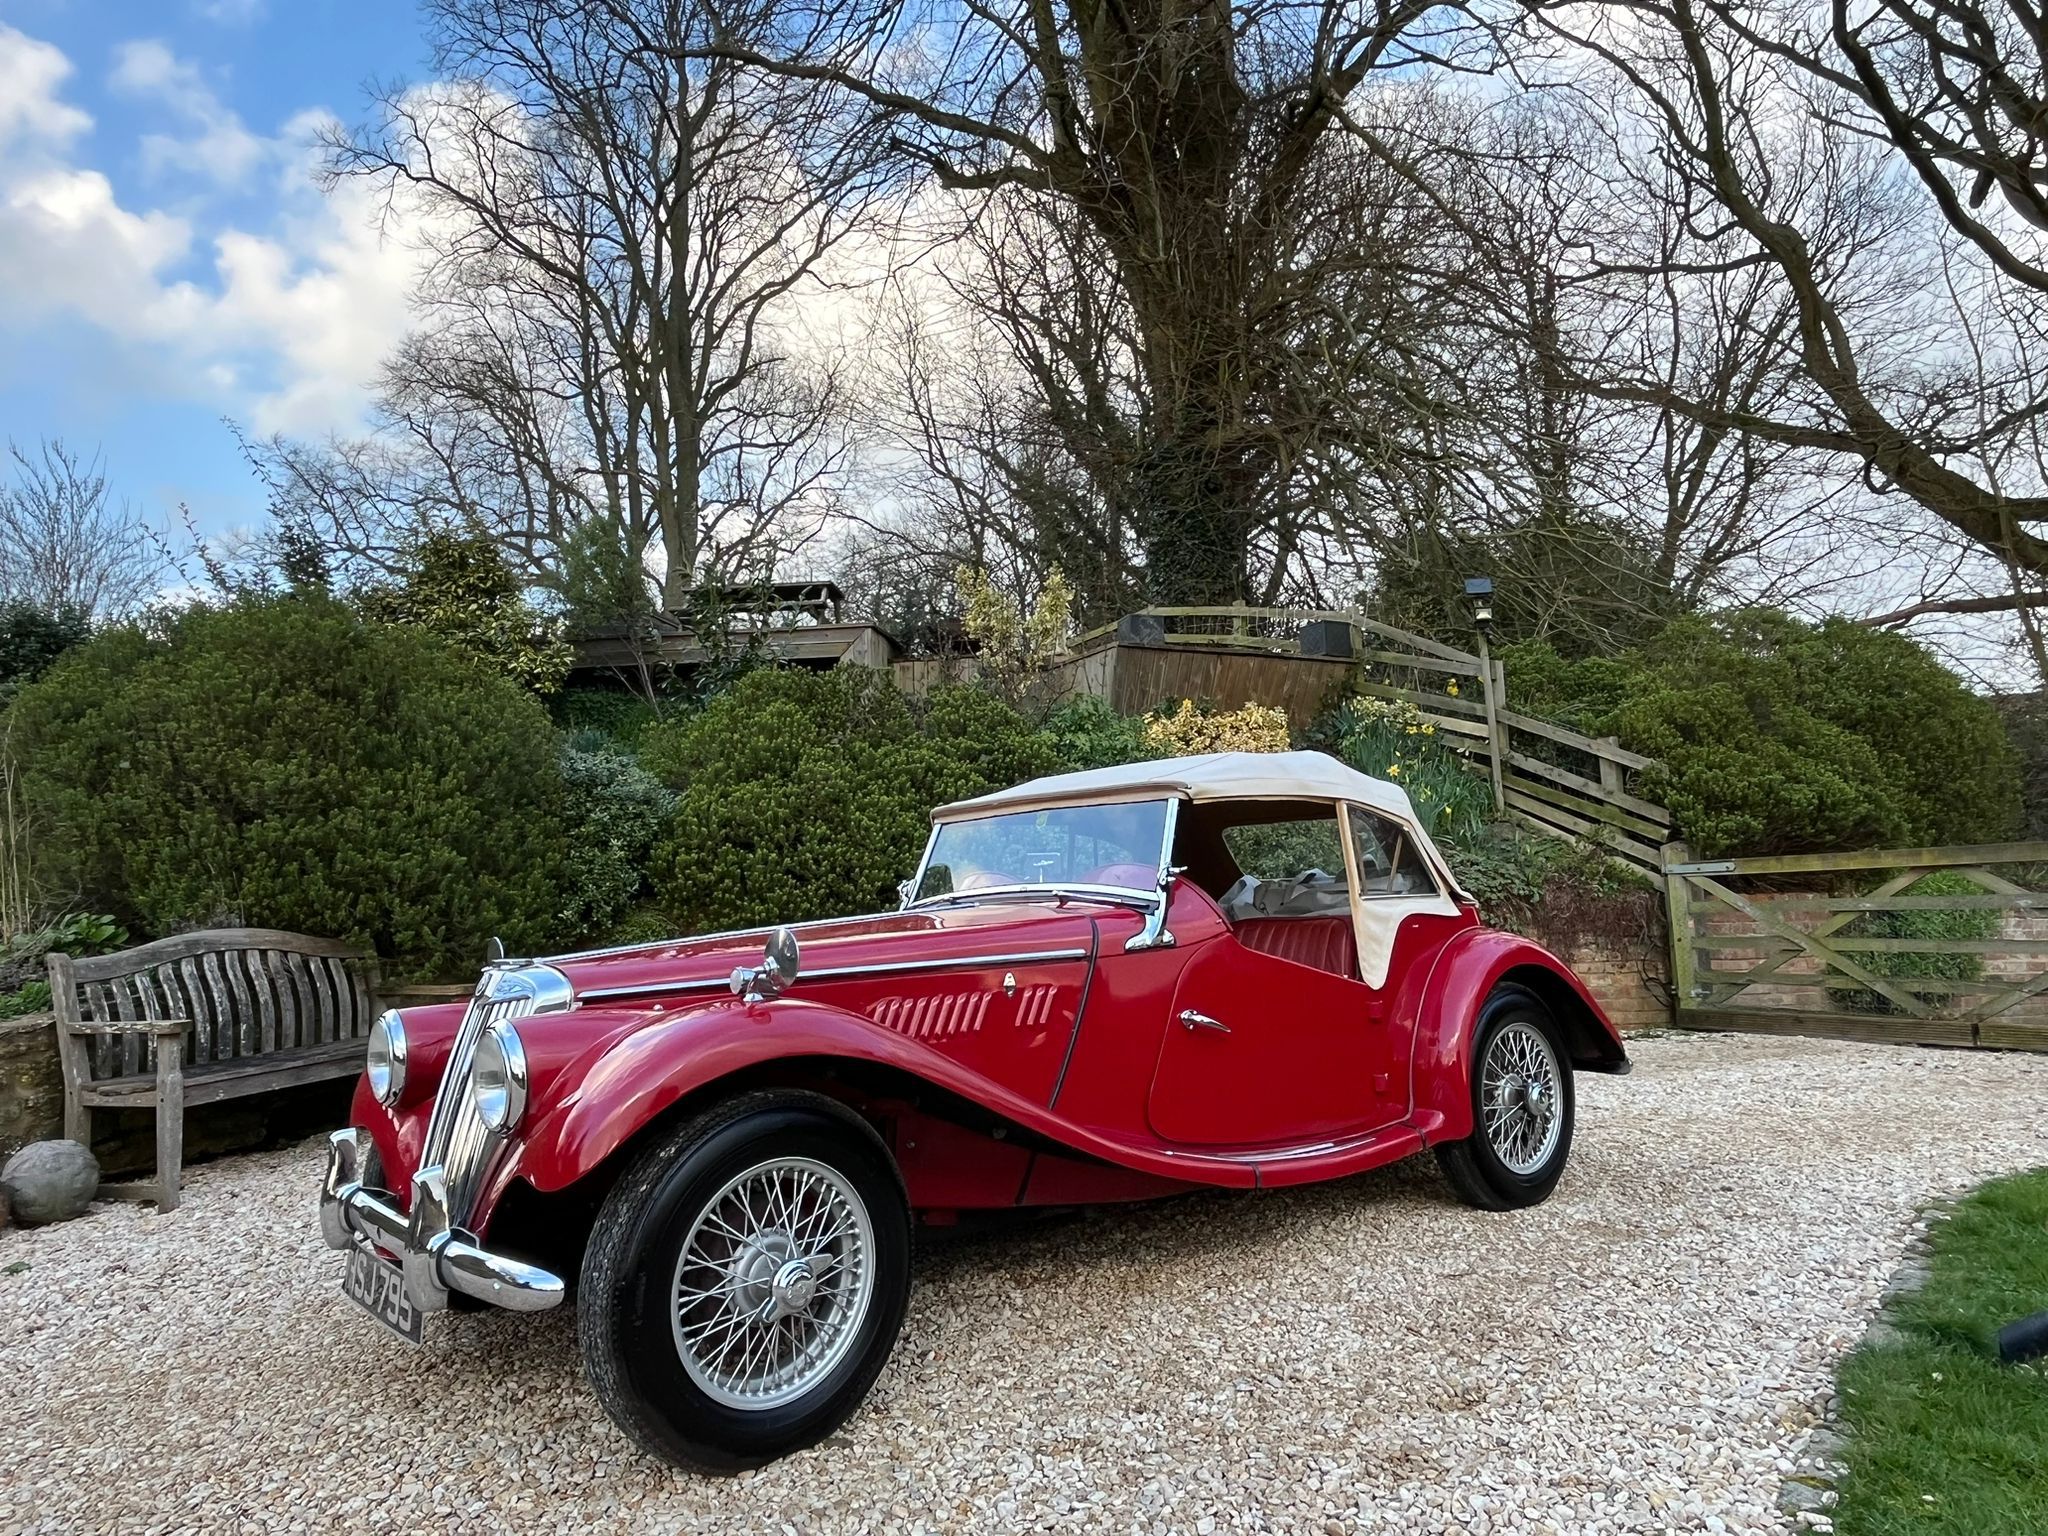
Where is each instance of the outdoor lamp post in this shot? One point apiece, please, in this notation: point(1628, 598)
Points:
point(1479, 594)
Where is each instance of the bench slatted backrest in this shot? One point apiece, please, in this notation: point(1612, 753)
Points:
point(247, 991)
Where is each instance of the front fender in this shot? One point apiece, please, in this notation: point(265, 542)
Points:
point(638, 1075)
point(1470, 966)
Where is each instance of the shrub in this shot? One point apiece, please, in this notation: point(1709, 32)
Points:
point(616, 810)
point(1776, 736)
point(609, 712)
point(808, 795)
point(1389, 739)
point(1188, 729)
point(1557, 892)
point(287, 764)
point(1086, 733)
point(458, 586)
point(31, 640)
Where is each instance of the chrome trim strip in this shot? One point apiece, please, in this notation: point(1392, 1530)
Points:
point(917, 874)
point(1155, 934)
point(646, 945)
point(1119, 895)
point(835, 972)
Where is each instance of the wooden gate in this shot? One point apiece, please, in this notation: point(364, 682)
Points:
point(1935, 946)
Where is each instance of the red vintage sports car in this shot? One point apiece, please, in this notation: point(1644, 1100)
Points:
point(1239, 970)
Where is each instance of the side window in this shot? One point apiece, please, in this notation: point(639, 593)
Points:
point(1290, 868)
point(1389, 863)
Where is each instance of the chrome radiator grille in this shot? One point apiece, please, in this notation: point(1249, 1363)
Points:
point(457, 1139)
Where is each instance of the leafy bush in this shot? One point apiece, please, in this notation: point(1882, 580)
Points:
point(617, 809)
point(21, 958)
point(1188, 729)
point(1776, 736)
point(1847, 992)
point(610, 712)
point(1086, 733)
point(32, 639)
point(287, 764)
point(1389, 739)
point(458, 586)
point(808, 794)
point(1557, 892)
point(30, 997)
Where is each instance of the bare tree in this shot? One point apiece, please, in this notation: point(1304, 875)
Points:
point(1191, 147)
point(1809, 148)
point(620, 231)
point(65, 543)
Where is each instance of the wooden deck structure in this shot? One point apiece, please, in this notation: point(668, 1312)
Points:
point(1556, 780)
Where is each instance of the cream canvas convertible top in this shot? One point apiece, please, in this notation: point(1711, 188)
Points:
point(1211, 776)
point(1250, 776)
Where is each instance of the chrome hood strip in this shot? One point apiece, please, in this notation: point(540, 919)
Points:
point(833, 973)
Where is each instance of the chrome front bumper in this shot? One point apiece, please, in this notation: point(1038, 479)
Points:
point(435, 1257)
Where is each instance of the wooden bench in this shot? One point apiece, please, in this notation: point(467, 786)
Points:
point(220, 1014)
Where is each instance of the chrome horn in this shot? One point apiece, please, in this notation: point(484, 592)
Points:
point(780, 962)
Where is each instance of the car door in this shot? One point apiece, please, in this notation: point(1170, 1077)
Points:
point(1271, 1037)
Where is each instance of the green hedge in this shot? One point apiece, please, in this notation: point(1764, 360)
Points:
point(806, 795)
point(286, 763)
point(1777, 736)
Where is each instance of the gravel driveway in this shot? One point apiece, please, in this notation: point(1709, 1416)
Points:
point(1638, 1354)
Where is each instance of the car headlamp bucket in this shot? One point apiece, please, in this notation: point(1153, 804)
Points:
point(384, 1059)
point(498, 1079)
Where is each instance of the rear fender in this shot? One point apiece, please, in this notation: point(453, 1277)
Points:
point(1466, 973)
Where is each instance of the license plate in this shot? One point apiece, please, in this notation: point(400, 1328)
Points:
point(375, 1284)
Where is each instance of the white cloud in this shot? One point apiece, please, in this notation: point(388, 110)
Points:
point(31, 73)
point(231, 13)
point(282, 326)
point(218, 148)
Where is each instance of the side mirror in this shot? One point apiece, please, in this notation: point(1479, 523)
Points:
point(780, 963)
point(905, 889)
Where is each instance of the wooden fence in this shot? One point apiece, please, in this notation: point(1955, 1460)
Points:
point(1856, 946)
point(1559, 781)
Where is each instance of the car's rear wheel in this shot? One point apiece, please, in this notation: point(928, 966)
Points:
point(745, 1281)
point(1523, 1107)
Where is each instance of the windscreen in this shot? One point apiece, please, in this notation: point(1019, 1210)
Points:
point(1117, 845)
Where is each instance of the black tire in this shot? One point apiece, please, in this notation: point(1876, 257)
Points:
point(1475, 1169)
point(624, 1323)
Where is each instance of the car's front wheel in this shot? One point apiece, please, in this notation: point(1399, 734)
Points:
point(745, 1281)
point(1523, 1107)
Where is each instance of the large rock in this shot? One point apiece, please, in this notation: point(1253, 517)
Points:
point(49, 1181)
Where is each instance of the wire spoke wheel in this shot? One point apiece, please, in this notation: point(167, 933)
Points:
point(1521, 1098)
point(772, 1283)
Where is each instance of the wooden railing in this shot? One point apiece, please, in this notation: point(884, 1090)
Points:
point(1807, 944)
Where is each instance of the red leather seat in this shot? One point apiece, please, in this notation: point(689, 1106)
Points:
point(1326, 943)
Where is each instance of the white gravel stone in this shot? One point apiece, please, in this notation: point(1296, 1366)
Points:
point(1640, 1354)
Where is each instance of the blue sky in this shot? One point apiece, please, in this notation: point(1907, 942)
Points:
point(165, 260)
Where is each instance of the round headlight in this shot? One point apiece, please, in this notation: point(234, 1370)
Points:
point(385, 1065)
point(498, 1078)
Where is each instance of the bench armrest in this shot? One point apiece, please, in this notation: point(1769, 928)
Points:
point(128, 1027)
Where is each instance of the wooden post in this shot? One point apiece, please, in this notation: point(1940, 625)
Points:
point(1610, 770)
point(170, 1117)
point(1678, 911)
point(1495, 752)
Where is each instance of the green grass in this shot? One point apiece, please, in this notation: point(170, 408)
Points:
point(1942, 1438)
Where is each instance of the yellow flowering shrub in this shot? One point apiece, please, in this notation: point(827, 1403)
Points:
point(1186, 730)
point(1016, 644)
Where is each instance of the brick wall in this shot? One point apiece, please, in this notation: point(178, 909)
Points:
point(1631, 983)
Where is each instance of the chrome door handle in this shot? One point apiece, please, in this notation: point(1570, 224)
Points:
point(1191, 1020)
